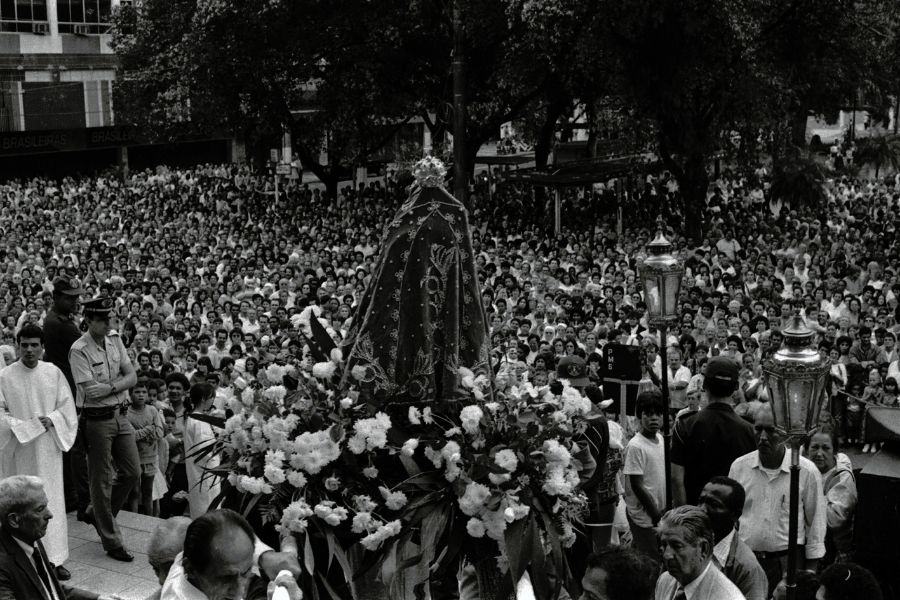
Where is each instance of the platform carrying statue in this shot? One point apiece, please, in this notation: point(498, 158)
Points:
point(421, 317)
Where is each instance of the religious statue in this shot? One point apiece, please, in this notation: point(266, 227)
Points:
point(421, 318)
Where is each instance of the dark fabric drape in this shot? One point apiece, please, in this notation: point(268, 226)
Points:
point(421, 317)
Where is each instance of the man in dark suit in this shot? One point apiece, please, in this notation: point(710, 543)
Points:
point(25, 572)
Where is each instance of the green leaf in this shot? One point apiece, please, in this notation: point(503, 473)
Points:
point(520, 540)
point(410, 465)
point(324, 581)
point(309, 560)
point(538, 573)
point(336, 432)
point(211, 419)
point(433, 528)
point(250, 504)
point(343, 560)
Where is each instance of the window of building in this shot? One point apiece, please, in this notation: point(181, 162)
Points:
point(84, 16)
point(21, 15)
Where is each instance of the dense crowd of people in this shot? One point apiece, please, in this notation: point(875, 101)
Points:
point(200, 275)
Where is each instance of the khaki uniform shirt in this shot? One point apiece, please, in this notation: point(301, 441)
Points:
point(98, 364)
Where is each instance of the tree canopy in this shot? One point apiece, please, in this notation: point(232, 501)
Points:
point(345, 75)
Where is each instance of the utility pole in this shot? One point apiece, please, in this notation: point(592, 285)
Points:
point(460, 175)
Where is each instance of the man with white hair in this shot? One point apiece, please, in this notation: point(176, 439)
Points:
point(25, 570)
point(686, 541)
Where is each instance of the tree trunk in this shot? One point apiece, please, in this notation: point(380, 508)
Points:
point(896, 112)
point(694, 184)
point(546, 135)
point(799, 118)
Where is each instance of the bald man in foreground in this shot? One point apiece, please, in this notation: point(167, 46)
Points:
point(219, 558)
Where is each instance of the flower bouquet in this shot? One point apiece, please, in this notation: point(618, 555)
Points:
point(499, 487)
point(492, 480)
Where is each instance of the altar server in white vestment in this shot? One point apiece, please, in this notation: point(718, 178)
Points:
point(37, 424)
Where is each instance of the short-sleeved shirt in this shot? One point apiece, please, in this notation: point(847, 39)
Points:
point(678, 398)
point(645, 457)
point(91, 362)
point(706, 442)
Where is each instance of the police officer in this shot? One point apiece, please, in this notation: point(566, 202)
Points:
point(103, 373)
point(60, 332)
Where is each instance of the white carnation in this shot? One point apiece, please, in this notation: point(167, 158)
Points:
point(276, 393)
point(362, 521)
point(313, 451)
point(324, 370)
point(374, 540)
point(471, 418)
point(393, 500)
point(369, 434)
point(296, 479)
point(475, 527)
point(409, 447)
point(473, 501)
point(506, 459)
point(253, 485)
point(248, 396)
point(275, 373)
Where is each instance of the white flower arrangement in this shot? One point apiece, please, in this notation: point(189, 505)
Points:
point(505, 462)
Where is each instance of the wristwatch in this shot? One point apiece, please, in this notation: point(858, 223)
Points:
point(112, 387)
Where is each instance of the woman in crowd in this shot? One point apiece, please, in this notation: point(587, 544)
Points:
point(839, 486)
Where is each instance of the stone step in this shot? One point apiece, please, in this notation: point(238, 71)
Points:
point(93, 571)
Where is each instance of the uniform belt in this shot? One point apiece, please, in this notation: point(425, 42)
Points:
point(99, 413)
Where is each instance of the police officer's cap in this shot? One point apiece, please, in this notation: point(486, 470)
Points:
point(98, 307)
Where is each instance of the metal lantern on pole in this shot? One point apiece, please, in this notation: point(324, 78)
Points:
point(661, 276)
point(796, 377)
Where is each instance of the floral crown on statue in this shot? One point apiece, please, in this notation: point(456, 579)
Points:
point(429, 172)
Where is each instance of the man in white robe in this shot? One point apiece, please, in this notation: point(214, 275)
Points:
point(37, 424)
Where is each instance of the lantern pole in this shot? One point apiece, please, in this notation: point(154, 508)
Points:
point(793, 514)
point(796, 370)
point(667, 432)
point(657, 273)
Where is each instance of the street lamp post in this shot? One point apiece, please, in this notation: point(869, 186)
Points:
point(796, 377)
point(661, 276)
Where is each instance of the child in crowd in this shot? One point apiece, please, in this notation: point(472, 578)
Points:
point(152, 392)
point(145, 420)
point(853, 410)
point(644, 471)
point(891, 393)
point(872, 393)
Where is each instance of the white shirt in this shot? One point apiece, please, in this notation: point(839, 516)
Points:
point(29, 552)
point(177, 586)
point(644, 457)
point(690, 588)
point(678, 398)
point(764, 523)
point(721, 550)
